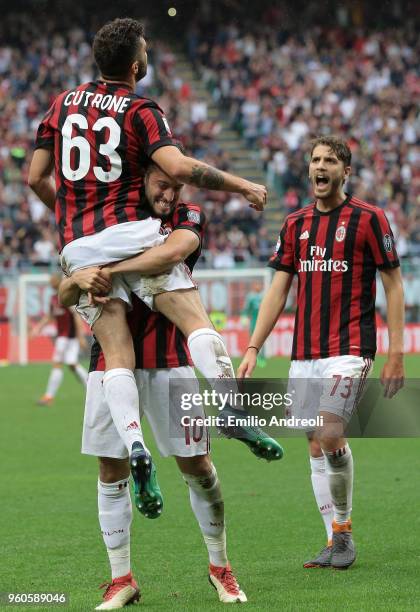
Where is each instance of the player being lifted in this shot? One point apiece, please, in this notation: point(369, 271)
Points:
point(335, 246)
point(161, 356)
point(69, 339)
point(163, 193)
point(98, 137)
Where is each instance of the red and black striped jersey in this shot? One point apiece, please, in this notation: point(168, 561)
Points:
point(64, 318)
point(102, 134)
point(157, 342)
point(335, 255)
point(187, 216)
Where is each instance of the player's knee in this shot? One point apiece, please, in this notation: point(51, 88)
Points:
point(112, 470)
point(315, 449)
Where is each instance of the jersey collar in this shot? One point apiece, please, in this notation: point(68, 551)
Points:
point(331, 212)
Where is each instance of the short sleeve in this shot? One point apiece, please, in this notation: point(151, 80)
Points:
point(190, 216)
point(283, 258)
point(45, 133)
point(381, 241)
point(153, 129)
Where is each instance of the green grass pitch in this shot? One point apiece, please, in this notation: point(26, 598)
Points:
point(50, 539)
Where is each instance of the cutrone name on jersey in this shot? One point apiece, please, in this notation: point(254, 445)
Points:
point(318, 263)
point(109, 102)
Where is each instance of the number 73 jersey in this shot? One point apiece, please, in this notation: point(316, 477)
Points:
point(102, 135)
point(335, 256)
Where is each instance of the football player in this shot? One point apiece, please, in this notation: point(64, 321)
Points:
point(335, 246)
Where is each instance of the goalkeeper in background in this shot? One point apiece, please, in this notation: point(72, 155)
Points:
point(250, 313)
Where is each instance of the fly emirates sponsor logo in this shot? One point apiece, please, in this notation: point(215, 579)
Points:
point(318, 263)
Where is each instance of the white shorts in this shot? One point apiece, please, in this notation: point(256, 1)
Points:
point(101, 439)
point(66, 350)
point(333, 384)
point(113, 244)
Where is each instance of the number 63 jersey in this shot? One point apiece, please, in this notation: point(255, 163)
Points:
point(102, 135)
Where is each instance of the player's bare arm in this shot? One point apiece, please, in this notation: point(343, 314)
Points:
point(180, 244)
point(271, 308)
point(86, 279)
point(392, 375)
point(193, 172)
point(40, 179)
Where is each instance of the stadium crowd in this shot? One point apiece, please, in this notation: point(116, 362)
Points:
point(44, 57)
point(278, 84)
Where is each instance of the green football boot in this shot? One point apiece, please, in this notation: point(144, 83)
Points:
point(147, 494)
point(254, 437)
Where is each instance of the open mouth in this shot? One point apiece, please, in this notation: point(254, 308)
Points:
point(321, 180)
point(162, 204)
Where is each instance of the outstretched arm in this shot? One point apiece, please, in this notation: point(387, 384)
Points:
point(271, 308)
point(193, 172)
point(40, 179)
point(392, 376)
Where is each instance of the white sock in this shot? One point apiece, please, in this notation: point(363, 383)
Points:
point(81, 373)
point(122, 397)
point(322, 492)
point(339, 467)
point(54, 381)
point(209, 354)
point(115, 513)
point(208, 507)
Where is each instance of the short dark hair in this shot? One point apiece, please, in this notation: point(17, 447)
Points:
point(150, 167)
point(338, 145)
point(115, 46)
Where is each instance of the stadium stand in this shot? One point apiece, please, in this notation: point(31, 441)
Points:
point(281, 86)
point(278, 84)
point(56, 59)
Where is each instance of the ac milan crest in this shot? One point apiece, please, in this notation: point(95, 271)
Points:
point(340, 234)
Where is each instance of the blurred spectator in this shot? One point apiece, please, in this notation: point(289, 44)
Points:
point(353, 72)
point(40, 57)
point(45, 251)
point(282, 83)
point(223, 255)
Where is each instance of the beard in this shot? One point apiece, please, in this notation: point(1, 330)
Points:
point(335, 186)
point(159, 213)
point(141, 72)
